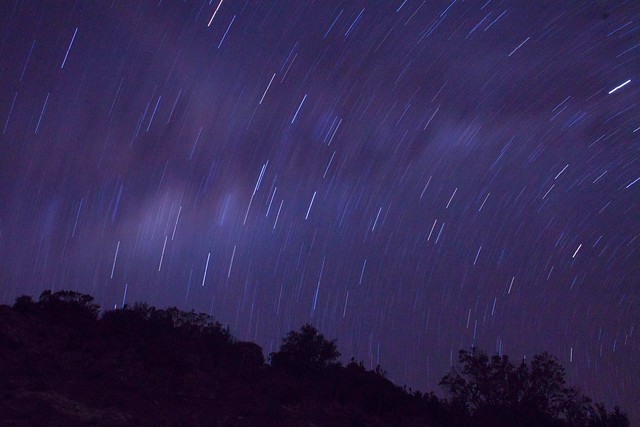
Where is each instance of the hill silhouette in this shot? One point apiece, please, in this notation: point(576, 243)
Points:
point(64, 363)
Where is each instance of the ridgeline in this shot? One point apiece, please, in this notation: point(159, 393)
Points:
point(64, 363)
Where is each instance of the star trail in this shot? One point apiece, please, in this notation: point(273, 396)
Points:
point(412, 177)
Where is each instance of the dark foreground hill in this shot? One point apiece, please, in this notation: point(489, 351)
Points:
point(63, 364)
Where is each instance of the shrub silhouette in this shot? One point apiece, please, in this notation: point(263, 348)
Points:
point(247, 356)
point(70, 303)
point(24, 304)
point(305, 351)
point(173, 340)
point(371, 390)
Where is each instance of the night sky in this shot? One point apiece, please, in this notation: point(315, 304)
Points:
point(412, 177)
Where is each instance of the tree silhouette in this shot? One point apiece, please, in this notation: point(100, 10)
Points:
point(306, 350)
point(492, 391)
point(546, 387)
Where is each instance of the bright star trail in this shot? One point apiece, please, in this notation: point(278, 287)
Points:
point(411, 177)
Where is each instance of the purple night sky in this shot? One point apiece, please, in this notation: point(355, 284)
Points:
point(412, 177)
